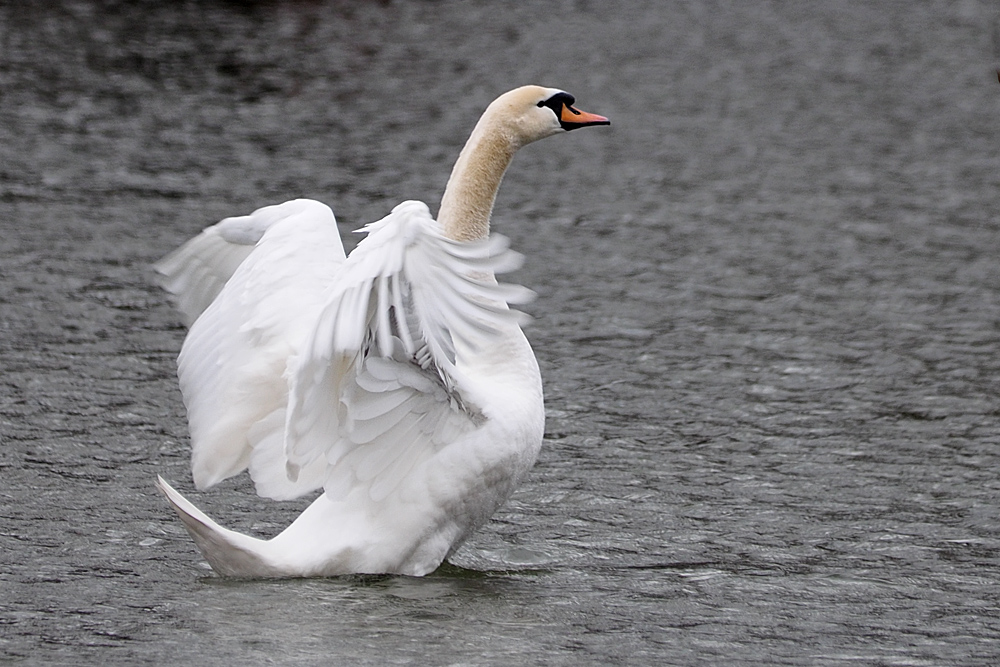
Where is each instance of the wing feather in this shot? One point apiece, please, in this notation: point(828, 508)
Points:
point(315, 370)
point(379, 390)
point(232, 365)
point(196, 272)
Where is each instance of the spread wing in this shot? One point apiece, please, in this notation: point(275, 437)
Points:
point(248, 320)
point(378, 387)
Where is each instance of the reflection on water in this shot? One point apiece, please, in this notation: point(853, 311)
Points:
point(766, 322)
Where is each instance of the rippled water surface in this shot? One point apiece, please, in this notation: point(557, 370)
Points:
point(768, 323)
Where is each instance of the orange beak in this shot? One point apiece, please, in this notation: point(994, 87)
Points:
point(571, 118)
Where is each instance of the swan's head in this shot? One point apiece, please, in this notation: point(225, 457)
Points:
point(531, 113)
point(512, 120)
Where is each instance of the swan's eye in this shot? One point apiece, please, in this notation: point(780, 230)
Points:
point(557, 102)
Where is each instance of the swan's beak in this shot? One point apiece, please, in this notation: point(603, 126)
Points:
point(571, 118)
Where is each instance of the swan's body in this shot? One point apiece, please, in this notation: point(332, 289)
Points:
point(396, 379)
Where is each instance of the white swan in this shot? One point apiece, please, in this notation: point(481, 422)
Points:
point(397, 379)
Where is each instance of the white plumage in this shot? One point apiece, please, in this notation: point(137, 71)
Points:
point(397, 379)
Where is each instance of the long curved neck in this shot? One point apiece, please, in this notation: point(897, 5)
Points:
point(468, 198)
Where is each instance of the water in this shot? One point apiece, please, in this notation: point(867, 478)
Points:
point(767, 323)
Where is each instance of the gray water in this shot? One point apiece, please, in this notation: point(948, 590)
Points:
point(768, 323)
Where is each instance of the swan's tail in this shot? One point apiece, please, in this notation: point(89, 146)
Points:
point(230, 554)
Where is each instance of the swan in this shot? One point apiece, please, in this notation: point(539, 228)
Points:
point(397, 379)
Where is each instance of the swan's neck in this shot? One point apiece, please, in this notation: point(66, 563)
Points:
point(471, 190)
